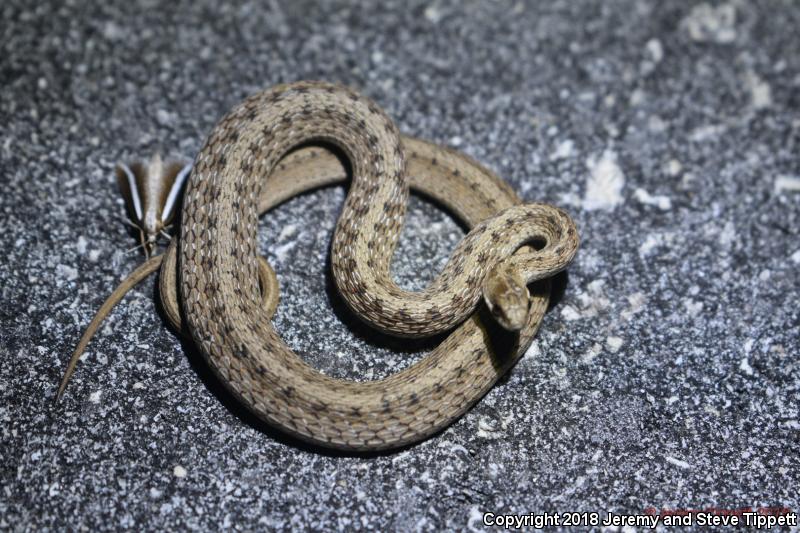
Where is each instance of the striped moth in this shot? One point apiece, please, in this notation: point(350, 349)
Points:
point(152, 191)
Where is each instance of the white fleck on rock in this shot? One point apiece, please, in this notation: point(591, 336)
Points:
point(655, 53)
point(282, 251)
point(636, 301)
point(687, 181)
point(653, 241)
point(569, 313)
point(655, 49)
point(593, 352)
point(475, 519)
point(787, 183)
point(644, 197)
point(748, 345)
point(387, 84)
point(534, 351)
point(490, 428)
point(674, 167)
point(678, 462)
point(455, 142)
point(614, 343)
point(744, 366)
point(95, 396)
point(796, 257)
point(656, 124)
point(570, 198)
point(605, 182)
point(709, 24)
point(433, 14)
point(693, 307)
point(81, 244)
point(590, 303)
point(727, 236)
point(288, 231)
point(760, 90)
point(179, 471)
point(564, 150)
point(164, 117)
point(67, 272)
point(637, 97)
point(94, 255)
point(704, 133)
point(113, 31)
point(377, 57)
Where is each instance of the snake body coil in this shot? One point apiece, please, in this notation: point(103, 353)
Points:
point(243, 169)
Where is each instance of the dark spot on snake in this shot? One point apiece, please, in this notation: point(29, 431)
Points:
point(240, 352)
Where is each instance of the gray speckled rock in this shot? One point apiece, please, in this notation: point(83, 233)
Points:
point(666, 376)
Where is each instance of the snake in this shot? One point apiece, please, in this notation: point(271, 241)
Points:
point(218, 291)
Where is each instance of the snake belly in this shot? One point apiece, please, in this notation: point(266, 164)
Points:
point(242, 171)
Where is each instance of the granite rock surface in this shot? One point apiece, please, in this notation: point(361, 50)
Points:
point(666, 376)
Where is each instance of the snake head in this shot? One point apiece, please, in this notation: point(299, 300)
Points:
point(507, 298)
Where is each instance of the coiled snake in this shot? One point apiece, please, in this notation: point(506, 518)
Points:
point(213, 282)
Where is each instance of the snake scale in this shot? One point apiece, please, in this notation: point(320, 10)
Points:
point(216, 289)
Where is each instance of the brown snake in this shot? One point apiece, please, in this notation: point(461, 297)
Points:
point(216, 292)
